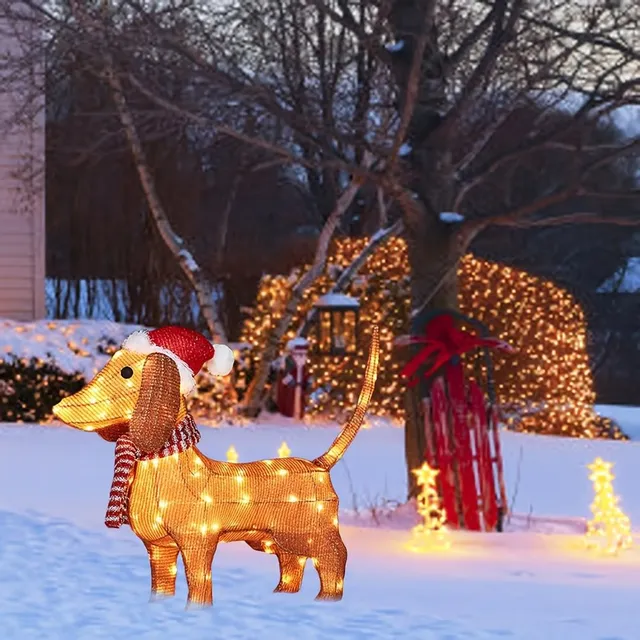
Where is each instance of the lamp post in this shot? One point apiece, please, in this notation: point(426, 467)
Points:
point(337, 324)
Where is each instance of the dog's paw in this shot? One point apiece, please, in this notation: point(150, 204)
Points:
point(158, 596)
point(329, 597)
point(283, 588)
point(193, 605)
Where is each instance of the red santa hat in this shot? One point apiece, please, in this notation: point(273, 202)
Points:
point(189, 349)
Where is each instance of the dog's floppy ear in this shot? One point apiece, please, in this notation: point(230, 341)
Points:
point(158, 403)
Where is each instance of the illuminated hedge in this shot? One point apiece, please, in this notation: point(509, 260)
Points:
point(546, 387)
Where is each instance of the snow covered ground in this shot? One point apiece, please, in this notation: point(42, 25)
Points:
point(64, 575)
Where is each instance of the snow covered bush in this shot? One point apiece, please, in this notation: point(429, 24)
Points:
point(45, 360)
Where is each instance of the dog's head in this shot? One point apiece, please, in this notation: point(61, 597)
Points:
point(135, 393)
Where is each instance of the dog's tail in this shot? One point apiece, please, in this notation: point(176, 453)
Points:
point(340, 444)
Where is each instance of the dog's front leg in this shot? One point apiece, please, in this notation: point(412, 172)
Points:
point(197, 556)
point(162, 559)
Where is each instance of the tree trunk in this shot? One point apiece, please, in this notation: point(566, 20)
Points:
point(433, 259)
point(434, 247)
point(190, 268)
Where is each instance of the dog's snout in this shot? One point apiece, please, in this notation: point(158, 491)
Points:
point(109, 399)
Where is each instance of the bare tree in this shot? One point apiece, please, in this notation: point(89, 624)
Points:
point(504, 54)
point(203, 289)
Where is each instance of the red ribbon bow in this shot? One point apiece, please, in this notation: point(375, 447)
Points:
point(445, 341)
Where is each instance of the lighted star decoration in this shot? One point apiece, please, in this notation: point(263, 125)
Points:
point(430, 534)
point(232, 454)
point(284, 451)
point(425, 475)
point(609, 531)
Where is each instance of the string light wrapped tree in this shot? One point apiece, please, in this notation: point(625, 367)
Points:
point(430, 533)
point(546, 387)
point(610, 529)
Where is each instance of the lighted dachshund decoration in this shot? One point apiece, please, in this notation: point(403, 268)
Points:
point(177, 500)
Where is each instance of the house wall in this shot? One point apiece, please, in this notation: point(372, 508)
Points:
point(22, 241)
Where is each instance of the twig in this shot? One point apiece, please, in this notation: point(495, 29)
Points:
point(516, 486)
point(354, 497)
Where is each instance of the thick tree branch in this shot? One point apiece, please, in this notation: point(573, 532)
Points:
point(501, 34)
point(410, 93)
point(590, 36)
point(370, 41)
point(285, 154)
point(547, 140)
point(377, 240)
point(567, 219)
point(472, 38)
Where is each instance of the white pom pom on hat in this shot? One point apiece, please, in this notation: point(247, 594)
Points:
point(189, 349)
point(222, 361)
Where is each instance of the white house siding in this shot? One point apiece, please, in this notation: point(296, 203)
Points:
point(22, 234)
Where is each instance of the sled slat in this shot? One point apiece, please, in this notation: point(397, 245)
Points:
point(484, 463)
point(462, 438)
point(444, 452)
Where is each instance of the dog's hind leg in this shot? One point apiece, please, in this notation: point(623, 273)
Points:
point(162, 559)
point(197, 556)
point(291, 566)
point(291, 571)
point(331, 562)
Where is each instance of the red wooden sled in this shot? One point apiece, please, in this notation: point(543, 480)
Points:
point(462, 439)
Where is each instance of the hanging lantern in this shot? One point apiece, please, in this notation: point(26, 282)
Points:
point(337, 324)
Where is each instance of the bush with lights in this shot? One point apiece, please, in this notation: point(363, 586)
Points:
point(546, 387)
point(30, 387)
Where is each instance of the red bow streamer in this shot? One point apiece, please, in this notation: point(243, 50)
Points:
point(445, 341)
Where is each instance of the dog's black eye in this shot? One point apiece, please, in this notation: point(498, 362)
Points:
point(126, 372)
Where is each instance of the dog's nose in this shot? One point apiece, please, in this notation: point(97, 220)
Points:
point(69, 411)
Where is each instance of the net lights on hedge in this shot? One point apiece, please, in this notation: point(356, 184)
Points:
point(430, 534)
point(609, 531)
point(179, 502)
point(546, 387)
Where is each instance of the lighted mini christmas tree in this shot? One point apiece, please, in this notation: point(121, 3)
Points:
point(429, 534)
point(610, 529)
point(284, 451)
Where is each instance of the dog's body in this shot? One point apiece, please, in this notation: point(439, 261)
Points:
point(262, 516)
point(187, 503)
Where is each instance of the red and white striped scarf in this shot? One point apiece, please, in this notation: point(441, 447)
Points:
point(183, 437)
